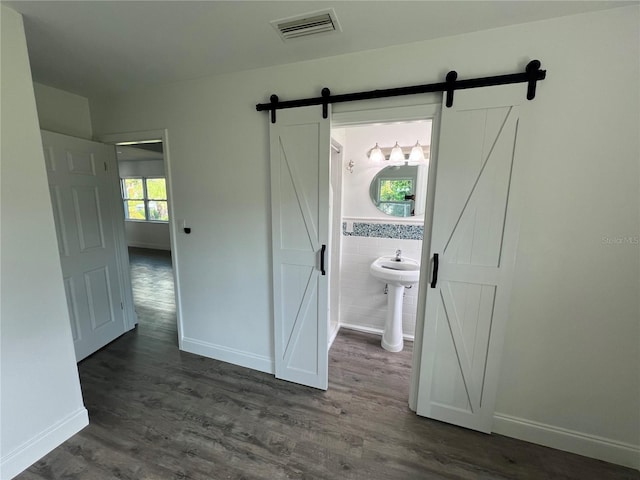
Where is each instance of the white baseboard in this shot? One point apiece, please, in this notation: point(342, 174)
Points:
point(38, 446)
point(373, 330)
point(333, 334)
point(229, 355)
point(580, 443)
point(152, 246)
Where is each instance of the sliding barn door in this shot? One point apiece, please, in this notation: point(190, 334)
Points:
point(474, 238)
point(83, 200)
point(300, 152)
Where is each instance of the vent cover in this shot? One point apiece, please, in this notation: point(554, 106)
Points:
point(307, 24)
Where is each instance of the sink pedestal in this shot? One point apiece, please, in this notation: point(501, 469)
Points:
point(397, 273)
point(392, 336)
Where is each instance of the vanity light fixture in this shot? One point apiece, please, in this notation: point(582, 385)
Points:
point(417, 154)
point(376, 155)
point(397, 156)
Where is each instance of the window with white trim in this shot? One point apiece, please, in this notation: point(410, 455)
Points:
point(145, 199)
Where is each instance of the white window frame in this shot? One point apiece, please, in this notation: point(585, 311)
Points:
point(408, 203)
point(145, 200)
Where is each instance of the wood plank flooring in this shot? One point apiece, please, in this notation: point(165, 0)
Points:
point(158, 413)
point(153, 293)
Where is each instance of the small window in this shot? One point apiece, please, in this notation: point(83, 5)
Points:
point(145, 199)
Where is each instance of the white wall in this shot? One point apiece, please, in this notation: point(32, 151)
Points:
point(141, 168)
point(41, 402)
point(145, 234)
point(62, 112)
point(358, 141)
point(363, 303)
point(572, 352)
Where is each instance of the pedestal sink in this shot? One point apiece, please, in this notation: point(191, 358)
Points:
point(397, 272)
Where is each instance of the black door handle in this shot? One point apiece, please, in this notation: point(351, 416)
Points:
point(322, 250)
point(434, 275)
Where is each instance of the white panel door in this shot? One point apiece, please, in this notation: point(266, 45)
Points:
point(300, 152)
point(83, 202)
point(474, 238)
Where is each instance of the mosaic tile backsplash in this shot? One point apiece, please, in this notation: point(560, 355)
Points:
point(384, 230)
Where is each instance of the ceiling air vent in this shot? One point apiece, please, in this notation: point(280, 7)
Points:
point(307, 24)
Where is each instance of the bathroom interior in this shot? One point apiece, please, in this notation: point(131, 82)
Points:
point(378, 198)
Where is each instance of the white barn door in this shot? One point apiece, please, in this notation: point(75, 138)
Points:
point(300, 152)
point(474, 238)
point(83, 201)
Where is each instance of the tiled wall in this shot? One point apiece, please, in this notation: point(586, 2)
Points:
point(384, 230)
point(363, 303)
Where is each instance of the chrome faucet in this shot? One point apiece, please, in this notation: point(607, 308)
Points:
point(398, 253)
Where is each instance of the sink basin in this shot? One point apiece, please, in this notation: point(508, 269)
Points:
point(403, 273)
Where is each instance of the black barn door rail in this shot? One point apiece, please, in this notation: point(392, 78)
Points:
point(530, 76)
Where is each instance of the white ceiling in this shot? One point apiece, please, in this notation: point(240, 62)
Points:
point(130, 153)
point(93, 47)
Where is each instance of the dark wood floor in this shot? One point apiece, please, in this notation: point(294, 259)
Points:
point(153, 293)
point(158, 413)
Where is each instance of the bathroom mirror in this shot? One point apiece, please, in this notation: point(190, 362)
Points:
point(399, 190)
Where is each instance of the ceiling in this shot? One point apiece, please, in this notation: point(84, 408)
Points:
point(96, 47)
point(139, 152)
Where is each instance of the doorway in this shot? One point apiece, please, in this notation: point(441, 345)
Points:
point(143, 187)
point(300, 200)
point(144, 178)
point(375, 225)
point(382, 213)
